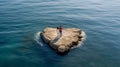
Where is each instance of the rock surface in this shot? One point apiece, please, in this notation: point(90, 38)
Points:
point(70, 38)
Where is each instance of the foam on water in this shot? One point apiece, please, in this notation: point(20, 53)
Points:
point(37, 38)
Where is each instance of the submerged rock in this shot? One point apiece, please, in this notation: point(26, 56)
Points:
point(70, 38)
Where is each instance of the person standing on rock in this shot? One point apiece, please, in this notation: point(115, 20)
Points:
point(57, 31)
point(60, 30)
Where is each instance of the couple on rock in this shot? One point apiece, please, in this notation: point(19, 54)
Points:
point(59, 31)
point(59, 34)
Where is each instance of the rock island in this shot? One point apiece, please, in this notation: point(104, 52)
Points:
point(70, 38)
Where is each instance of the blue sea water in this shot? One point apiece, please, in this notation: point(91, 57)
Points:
point(20, 20)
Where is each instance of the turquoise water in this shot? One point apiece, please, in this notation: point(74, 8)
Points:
point(20, 20)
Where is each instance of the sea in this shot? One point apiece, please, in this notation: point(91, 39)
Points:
point(21, 20)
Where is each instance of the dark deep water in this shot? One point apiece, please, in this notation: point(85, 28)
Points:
point(20, 20)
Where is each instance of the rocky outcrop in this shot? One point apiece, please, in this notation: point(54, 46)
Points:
point(70, 38)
